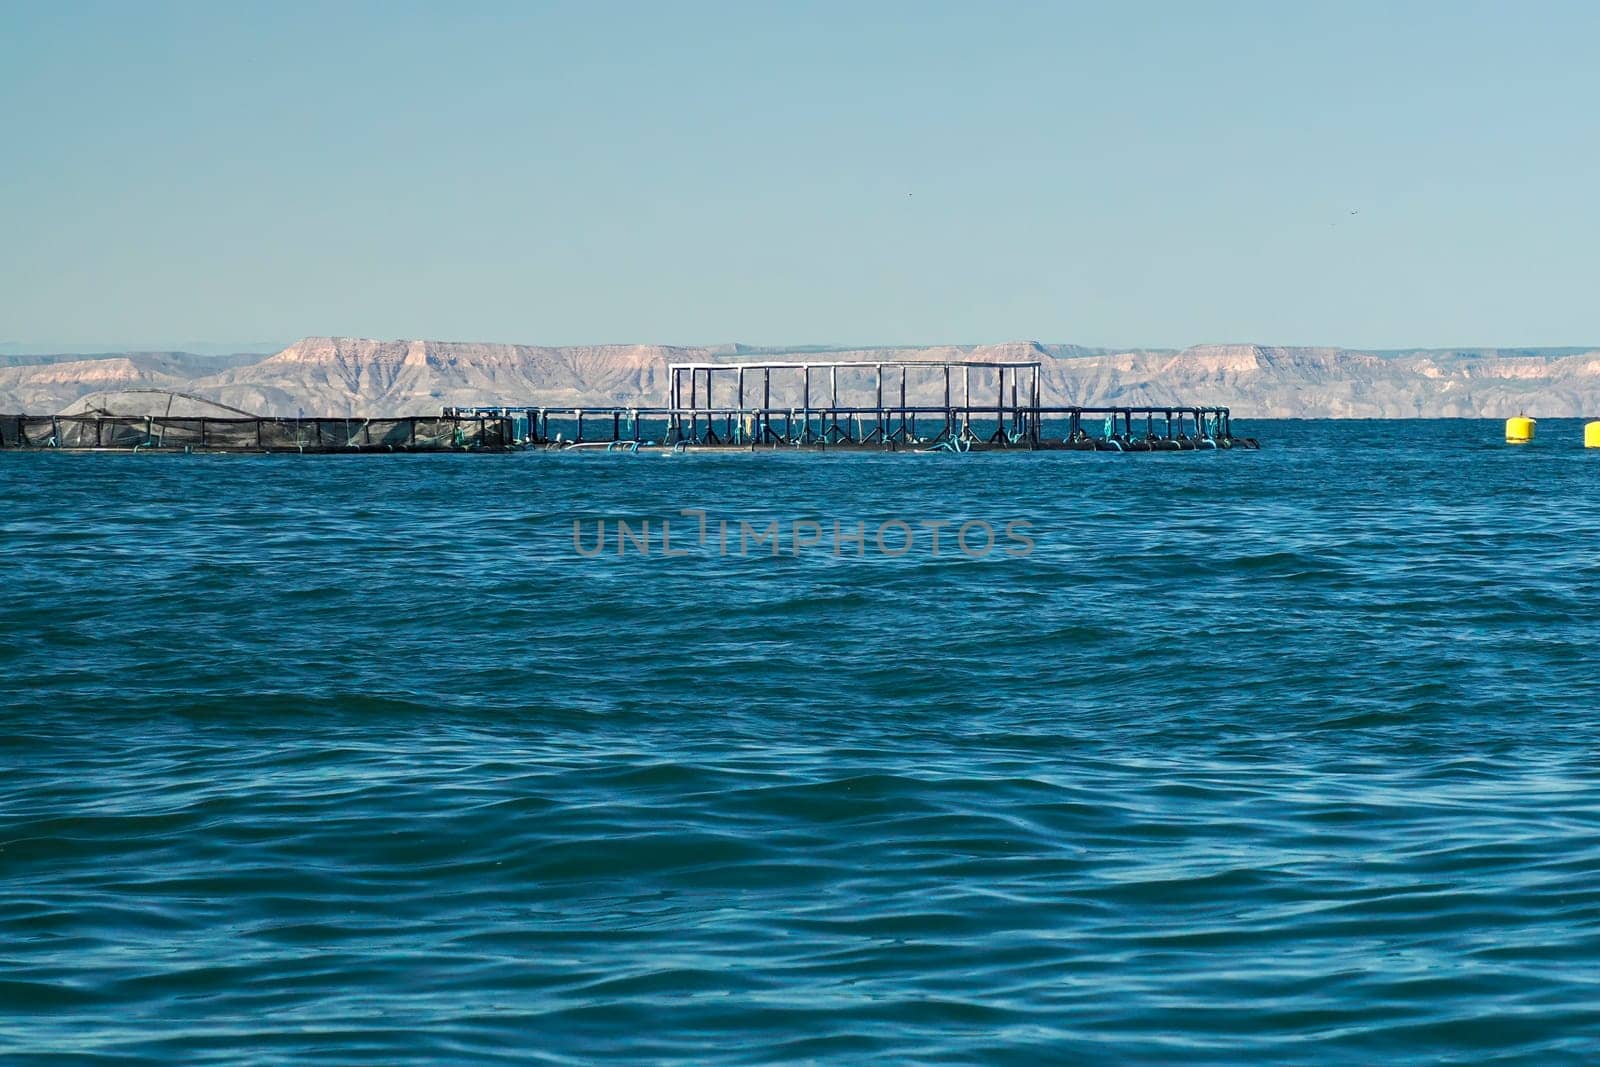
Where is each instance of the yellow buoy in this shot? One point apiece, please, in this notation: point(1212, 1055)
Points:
point(1591, 435)
point(1519, 430)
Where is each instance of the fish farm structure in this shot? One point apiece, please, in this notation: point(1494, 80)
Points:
point(904, 405)
point(959, 406)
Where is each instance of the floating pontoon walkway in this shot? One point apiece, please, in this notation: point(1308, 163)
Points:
point(785, 405)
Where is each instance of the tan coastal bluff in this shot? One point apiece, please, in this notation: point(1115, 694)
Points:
point(340, 376)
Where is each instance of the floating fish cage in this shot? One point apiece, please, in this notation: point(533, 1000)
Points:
point(436, 433)
point(929, 406)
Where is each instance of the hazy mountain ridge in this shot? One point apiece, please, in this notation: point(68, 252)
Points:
point(358, 376)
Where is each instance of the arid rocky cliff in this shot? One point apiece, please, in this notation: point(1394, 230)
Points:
point(354, 376)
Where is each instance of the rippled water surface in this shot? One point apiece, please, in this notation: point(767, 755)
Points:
point(1276, 757)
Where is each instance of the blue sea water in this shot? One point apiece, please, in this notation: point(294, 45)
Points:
point(1276, 757)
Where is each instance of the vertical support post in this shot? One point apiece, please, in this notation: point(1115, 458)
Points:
point(948, 414)
point(1038, 402)
point(672, 404)
point(902, 401)
point(880, 403)
point(805, 406)
point(694, 404)
point(1000, 400)
point(967, 399)
point(741, 401)
point(833, 397)
point(766, 403)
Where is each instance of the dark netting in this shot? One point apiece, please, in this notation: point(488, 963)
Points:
point(390, 433)
point(494, 433)
point(285, 433)
point(232, 434)
point(443, 433)
point(178, 433)
point(125, 433)
point(38, 431)
point(77, 433)
point(346, 434)
point(436, 433)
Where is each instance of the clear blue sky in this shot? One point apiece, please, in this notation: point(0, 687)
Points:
point(1383, 174)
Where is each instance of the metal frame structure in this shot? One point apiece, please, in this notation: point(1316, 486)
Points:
point(1015, 418)
point(859, 421)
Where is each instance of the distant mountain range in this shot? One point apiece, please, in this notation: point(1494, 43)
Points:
point(352, 376)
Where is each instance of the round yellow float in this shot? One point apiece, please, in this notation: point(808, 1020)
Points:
point(1520, 430)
